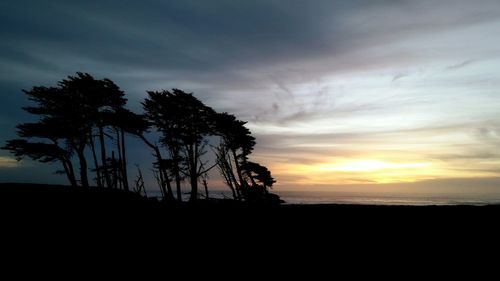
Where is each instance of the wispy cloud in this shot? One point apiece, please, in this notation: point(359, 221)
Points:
point(399, 76)
point(460, 65)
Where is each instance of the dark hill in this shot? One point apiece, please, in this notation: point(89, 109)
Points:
point(43, 215)
point(34, 202)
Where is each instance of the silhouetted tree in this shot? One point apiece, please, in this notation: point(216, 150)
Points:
point(125, 121)
point(162, 114)
point(68, 115)
point(43, 152)
point(225, 167)
point(139, 126)
point(258, 174)
point(260, 179)
point(62, 122)
point(236, 144)
point(140, 187)
point(83, 116)
point(184, 123)
point(99, 101)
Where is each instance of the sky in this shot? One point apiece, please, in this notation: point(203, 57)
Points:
point(358, 94)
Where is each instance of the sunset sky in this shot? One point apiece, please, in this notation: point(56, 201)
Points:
point(338, 94)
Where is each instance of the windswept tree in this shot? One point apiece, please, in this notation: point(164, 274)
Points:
point(99, 102)
point(139, 126)
point(43, 152)
point(226, 169)
point(258, 175)
point(184, 123)
point(69, 114)
point(260, 181)
point(162, 115)
point(83, 117)
point(62, 123)
point(122, 121)
point(234, 148)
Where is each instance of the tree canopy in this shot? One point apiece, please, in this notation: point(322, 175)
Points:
point(85, 118)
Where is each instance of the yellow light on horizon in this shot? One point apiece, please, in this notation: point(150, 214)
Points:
point(368, 165)
point(355, 171)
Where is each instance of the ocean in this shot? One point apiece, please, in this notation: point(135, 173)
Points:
point(385, 198)
point(372, 198)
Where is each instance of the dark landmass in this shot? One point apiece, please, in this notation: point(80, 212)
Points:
point(55, 216)
point(60, 200)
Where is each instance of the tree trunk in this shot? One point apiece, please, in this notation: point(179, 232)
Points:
point(103, 157)
point(193, 174)
point(234, 188)
point(162, 185)
point(159, 178)
point(194, 189)
point(166, 178)
point(83, 167)
point(68, 168)
point(175, 156)
point(178, 184)
point(233, 178)
point(233, 191)
point(104, 165)
point(238, 170)
point(226, 173)
point(96, 163)
point(165, 181)
point(164, 175)
point(124, 162)
point(205, 185)
point(227, 170)
point(117, 164)
point(115, 168)
point(71, 172)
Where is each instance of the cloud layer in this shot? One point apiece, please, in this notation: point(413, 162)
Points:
point(320, 82)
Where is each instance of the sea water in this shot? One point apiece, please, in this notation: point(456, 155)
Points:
point(369, 198)
point(387, 198)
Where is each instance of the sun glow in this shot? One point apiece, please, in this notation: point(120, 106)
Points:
point(367, 166)
point(359, 171)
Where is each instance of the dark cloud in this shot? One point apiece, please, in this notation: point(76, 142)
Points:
point(199, 36)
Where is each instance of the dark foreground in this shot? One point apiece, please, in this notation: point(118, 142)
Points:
point(37, 215)
point(71, 204)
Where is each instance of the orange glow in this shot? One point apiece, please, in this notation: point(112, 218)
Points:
point(365, 171)
point(367, 166)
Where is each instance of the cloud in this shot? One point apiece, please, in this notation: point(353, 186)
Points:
point(460, 65)
point(313, 78)
point(197, 37)
point(399, 76)
point(486, 186)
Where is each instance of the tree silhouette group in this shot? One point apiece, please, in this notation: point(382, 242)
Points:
point(83, 123)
